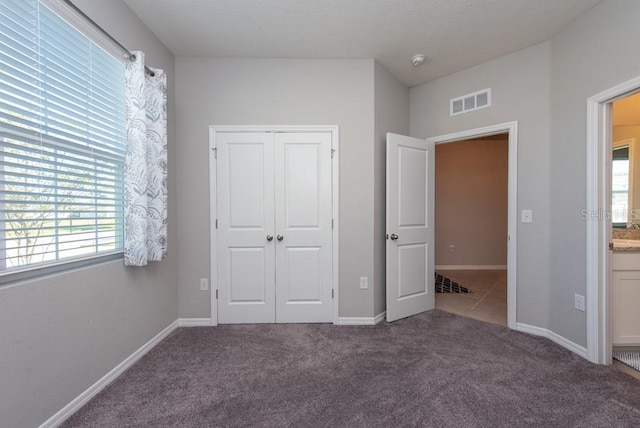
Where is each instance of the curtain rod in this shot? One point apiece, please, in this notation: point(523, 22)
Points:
point(130, 55)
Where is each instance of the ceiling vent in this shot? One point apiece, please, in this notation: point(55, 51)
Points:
point(470, 102)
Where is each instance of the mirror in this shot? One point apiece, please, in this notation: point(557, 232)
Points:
point(625, 183)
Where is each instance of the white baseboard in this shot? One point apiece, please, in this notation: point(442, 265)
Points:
point(94, 389)
point(471, 267)
point(379, 317)
point(554, 337)
point(194, 322)
point(361, 320)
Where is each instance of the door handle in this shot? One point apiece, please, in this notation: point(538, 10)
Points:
point(280, 237)
point(269, 238)
point(394, 236)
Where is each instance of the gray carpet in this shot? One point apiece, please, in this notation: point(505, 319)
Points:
point(433, 369)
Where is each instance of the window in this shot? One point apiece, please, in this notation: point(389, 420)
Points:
point(620, 186)
point(62, 141)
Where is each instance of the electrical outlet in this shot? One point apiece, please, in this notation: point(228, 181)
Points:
point(579, 302)
point(204, 284)
point(364, 283)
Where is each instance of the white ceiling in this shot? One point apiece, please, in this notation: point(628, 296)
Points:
point(453, 34)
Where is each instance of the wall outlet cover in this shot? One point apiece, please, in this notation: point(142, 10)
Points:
point(364, 282)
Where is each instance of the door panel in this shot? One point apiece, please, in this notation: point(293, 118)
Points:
point(246, 164)
point(411, 282)
point(247, 285)
point(410, 221)
point(302, 186)
point(246, 259)
point(302, 283)
point(303, 220)
point(412, 203)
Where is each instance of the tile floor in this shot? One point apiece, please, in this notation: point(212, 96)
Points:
point(623, 367)
point(628, 370)
point(488, 300)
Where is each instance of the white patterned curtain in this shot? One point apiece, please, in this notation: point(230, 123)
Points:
point(145, 175)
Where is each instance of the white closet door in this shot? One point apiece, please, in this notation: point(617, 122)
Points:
point(246, 256)
point(303, 227)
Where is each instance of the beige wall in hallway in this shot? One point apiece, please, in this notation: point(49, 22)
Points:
point(471, 202)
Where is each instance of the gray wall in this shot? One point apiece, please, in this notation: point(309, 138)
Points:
point(276, 92)
point(520, 85)
point(60, 334)
point(391, 115)
point(596, 53)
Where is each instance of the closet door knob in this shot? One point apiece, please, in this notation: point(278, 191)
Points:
point(269, 238)
point(394, 236)
point(280, 237)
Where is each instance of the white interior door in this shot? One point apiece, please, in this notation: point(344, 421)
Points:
point(410, 226)
point(246, 247)
point(303, 227)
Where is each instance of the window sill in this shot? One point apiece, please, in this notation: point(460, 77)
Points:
point(35, 272)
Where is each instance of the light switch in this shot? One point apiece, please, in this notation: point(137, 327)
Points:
point(527, 216)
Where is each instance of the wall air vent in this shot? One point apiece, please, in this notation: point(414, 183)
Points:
point(470, 102)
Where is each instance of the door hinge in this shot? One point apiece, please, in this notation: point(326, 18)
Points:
point(216, 223)
point(332, 293)
point(611, 245)
point(332, 152)
point(216, 294)
point(215, 152)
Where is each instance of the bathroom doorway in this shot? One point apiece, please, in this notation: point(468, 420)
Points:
point(624, 289)
point(599, 227)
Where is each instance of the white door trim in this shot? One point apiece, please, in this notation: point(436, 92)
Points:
point(512, 219)
point(335, 180)
point(598, 224)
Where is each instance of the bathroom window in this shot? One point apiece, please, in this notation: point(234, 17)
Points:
point(620, 187)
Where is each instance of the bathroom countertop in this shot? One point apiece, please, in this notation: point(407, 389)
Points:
point(626, 245)
point(626, 240)
point(625, 249)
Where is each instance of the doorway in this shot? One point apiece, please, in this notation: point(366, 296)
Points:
point(511, 131)
point(624, 287)
point(599, 227)
point(471, 182)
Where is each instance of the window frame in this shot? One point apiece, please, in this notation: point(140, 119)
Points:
point(630, 144)
point(38, 270)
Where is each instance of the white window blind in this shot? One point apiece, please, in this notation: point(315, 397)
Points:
point(62, 141)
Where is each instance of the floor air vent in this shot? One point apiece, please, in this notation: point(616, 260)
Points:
point(470, 102)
